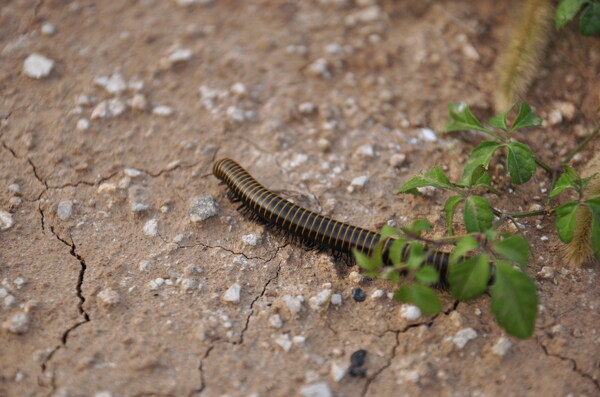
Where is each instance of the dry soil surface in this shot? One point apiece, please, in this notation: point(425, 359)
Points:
point(109, 289)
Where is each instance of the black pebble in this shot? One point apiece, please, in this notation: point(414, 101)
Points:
point(357, 359)
point(358, 295)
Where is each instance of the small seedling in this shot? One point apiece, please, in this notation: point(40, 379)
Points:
point(589, 20)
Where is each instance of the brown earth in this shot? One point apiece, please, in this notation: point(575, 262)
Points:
point(101, 301)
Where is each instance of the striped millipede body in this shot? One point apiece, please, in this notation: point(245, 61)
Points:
point(312, 229)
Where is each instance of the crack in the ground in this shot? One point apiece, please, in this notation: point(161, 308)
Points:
point(262, 293)
point(427, 323)
point(201, 369)
point(78, 289)
point(569, 360)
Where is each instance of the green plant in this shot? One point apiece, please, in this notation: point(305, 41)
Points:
point(589, 21)
point(484, 255)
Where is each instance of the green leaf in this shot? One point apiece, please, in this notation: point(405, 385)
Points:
point(464, 246)
point(514, 300)
point(478, 215)
point(480, 156)
point(417, 227)
point(566, 10)
point(387, 232)
point(566, 215)
point(499, 120)
point(520, 162)
point(449, 209)
point(389, 273)
point(468, 279)
point(395, 251)
point(514, 248)
point(525, 118)
point(589, 22)
point(435, 177)
point(486, 181)
point(427, 275)
point(564, 182)
point(421, 296)
point(594, 205)
point(416, 255)
point(365, 261)
point(461, 119)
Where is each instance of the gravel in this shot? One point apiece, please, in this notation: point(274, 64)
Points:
point(320, 389)
point(6, 220)
point(37, 66)
point(358, 294)
point(410, 312)
point(108, 298)
point(232, 295)
point(64, 210)
point(462, 337)
point(202, 208)
point(151, 228)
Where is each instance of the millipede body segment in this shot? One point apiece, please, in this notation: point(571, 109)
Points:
point(312, 229)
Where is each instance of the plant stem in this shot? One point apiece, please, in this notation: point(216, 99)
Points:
point(581, 145)
point(545, 166)
point(529, 213)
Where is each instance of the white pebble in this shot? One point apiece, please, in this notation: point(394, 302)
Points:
point(132, 172)
point(48, 29)
point(83, 125)
point(103, 394)
point(319, 300)
point(284, 342)
point(320, 389)
point(3, 293)
point(378, 294)
point(17, 323)
point(108, 298)
point(366, 151)
point(307, 108)
point(187, 284)
point(359, 181)
point(6, 220)
point(151, 228)
point(235, 114)
point(64, 210)
point(202, 208)
point(275, 321)
point(156, 283)
point(410, 312)
point(293, 303)
point(111, 108)
point(114, 84)
point(501, 346)
point(232, 295)
point(138, 102)
point(397, 160)
point(338, 371)
point(298, 340)
point(238, 89)
point(179, 55)
point(19, 282)
point(163, 111)
point(427, 134)
point(319, 68)
point(9, 300)
point(336, 299)
point(15, 188)
point(37, 66)
point(463, 336)
point(251, 239)
point(144, 265)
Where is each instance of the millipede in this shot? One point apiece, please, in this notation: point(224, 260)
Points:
point(309, 228)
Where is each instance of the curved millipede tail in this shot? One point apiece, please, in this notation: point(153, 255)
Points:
point(311, 229)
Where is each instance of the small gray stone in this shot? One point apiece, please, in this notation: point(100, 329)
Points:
point(65, 209)
point(202, 208)
point(320, 389)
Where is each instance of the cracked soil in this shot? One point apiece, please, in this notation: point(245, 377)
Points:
point(98, 321)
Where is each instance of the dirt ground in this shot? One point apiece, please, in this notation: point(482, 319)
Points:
point(109, 289)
